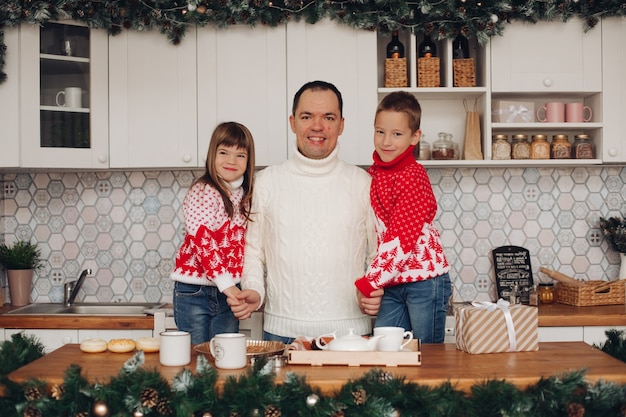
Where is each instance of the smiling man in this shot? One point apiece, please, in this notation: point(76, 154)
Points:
point(311, 231)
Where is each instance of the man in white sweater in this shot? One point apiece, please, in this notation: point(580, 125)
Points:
point(311, 232)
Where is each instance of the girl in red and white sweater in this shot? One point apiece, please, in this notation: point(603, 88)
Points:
point(210, 260)
point(410, 263)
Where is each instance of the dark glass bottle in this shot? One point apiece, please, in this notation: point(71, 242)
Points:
point(395, 48)
point(460, 47)
point(427, 49)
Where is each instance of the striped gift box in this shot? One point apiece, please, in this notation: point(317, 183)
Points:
point(496, 327)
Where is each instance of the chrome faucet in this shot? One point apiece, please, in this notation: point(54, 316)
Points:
point(70, 289)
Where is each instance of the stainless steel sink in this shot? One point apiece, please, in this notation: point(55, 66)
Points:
point(87, 309)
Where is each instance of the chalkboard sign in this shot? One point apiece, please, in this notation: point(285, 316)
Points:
point(512, 266)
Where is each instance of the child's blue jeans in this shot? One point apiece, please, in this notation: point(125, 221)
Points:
point(418, 306)
point(202, 311)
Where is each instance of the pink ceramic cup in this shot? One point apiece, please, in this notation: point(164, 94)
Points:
point(553, 112)
point(575, 113)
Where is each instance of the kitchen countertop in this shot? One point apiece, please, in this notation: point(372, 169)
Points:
point(550, 315)
point(557, 315)
point(440, 363)
point(73, 322)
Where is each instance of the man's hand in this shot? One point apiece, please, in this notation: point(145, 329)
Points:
point(244, 303)
point(370, 305)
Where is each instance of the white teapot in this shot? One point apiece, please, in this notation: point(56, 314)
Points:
point(349, 342)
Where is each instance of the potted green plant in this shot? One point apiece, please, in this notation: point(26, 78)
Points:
point(20, 261)
point(614, 231)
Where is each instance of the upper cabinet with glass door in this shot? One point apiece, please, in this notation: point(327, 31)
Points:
point(64, 104)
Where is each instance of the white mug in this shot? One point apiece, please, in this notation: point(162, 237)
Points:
point(72, 97)
point(394, 340)
point(175, 348)
point(229, 350)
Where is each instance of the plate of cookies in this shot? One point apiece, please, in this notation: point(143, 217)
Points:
point(254, 348)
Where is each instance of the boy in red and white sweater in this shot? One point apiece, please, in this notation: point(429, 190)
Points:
point(410, 263)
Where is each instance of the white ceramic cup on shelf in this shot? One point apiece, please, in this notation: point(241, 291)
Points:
point(396, 338)
point(175, 348)
point(229, 350)
point(72, 97)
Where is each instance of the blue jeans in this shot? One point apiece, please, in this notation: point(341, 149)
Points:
point(273, 337)
point(202, 311)
point(418, 306)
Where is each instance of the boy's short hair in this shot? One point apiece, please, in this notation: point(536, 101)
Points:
point(403, 102)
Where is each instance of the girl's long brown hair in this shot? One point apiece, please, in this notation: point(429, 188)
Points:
point(237, 135)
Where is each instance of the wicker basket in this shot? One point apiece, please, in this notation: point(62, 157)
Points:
point(593, 293)
point(428, 72)
point(464, 72)
point(395, 73)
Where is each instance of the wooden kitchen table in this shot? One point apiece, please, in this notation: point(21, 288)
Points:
point(440, 363)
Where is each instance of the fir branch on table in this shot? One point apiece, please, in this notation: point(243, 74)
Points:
point(614, 231)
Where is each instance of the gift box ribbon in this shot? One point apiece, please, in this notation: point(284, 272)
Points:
point(502, 305)
point(520, 111)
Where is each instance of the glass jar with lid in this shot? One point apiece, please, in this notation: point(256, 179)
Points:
point(422, 150)
point(540, 147)
point(500, 147)
point(443, 148)
point(520, 147)
point(582, 147)
point(546, 293)
point(456, 153)
point(560, 148)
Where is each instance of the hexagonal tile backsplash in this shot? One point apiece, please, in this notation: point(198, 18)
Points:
point(126, 226)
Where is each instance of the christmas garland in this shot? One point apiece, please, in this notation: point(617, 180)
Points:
point(137, 392)
point(441, 18)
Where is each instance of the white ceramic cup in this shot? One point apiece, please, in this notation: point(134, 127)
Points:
point(72, 97)
point(229, 350)
point(175, 348)
point(396, 338)
point(553, 112)
point(575, 113)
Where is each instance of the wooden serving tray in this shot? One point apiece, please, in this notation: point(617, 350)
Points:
point(411, 356)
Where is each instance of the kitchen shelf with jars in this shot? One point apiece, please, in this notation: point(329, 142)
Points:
point(438, 86)
point(509, 116)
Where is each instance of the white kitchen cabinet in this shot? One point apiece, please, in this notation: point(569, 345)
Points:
point(596, 335)
point(55, 133)
point(561, 334)
point(614, 95)
point(544, 62)
point(109, 334)
point(55, 338)
point(547, 57)
point(51, 338)
point(345, 57)
point(153, 110)
point(592, 335)
point(241, 78)
point(9, 100)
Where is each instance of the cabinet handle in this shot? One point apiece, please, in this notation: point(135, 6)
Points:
point(102, 158)
point(187, 158)
point(547, 82)
point(66, 340)
point(612, 152)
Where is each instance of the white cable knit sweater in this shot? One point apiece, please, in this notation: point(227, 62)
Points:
point(312, 229)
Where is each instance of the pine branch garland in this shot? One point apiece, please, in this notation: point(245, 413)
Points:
point(136, 390)
point(443, 18)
